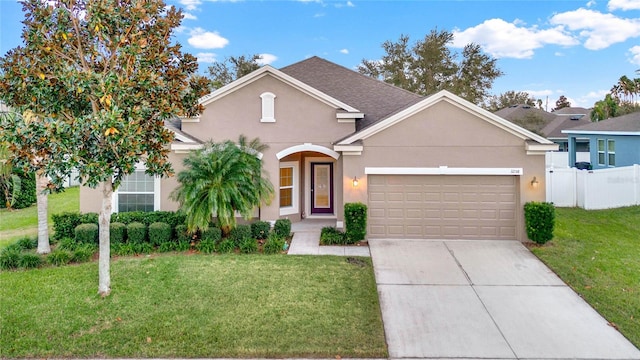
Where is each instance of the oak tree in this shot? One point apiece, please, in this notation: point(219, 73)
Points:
point(95, 80)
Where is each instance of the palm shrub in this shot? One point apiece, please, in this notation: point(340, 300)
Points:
point(219, 180)
point(282, 227)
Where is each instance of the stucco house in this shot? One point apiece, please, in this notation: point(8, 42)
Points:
point(613, 142)
point(427, 167)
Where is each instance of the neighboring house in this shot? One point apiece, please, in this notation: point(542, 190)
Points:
point(550, 124)
point(426, 167)
point(613, 142)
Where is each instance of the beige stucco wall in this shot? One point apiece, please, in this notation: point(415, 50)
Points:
point(445, 135)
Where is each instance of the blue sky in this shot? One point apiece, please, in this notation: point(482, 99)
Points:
point(548, 48)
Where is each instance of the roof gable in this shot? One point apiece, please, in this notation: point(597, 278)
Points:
point(454, 100)
point(268, 70)
point(375, 98)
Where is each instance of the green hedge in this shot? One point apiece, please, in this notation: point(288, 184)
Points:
point(282, 227)
point(86, 234)
point(355, 219)
point(540, 220)
point(329, 235)
point(159, 232)
point(64, 224)
point(172, 218)
point(117, 233)
point(212, 233)
point(260, 230)
point(136, 233)
point(239, 233)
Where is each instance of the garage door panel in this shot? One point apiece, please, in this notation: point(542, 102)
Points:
point(448, 207)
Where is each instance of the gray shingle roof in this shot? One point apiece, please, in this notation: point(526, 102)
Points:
point(528, 117)
point(376, 99)
point(554, 128)
point(624, 123)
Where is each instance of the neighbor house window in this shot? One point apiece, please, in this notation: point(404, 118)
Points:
point(611, 152)
point(601, 152)
point(288, 190)
point(268, 107)
point(137, 192)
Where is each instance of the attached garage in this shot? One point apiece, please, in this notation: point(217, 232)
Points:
point(443, 206)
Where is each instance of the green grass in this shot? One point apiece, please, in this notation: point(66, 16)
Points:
point(18, 223)
point(598, 254)
point(195, 306)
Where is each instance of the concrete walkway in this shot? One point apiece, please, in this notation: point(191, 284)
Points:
point(484, 300)
point(306, 240)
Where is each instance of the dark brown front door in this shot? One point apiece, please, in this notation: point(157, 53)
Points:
point(321, 188)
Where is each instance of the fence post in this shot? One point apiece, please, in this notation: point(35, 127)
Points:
point(636, 181)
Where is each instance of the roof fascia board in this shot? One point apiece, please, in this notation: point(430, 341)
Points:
point(267, 69)
point(442, 170)
point(452, 99)
point(596, 132)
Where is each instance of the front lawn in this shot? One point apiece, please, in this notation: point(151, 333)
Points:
point(598, 254)
point(24, 222)
point(192, 306)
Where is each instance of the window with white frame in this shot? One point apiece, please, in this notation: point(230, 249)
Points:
point(288, 188)
point(268, 107)
point(137, 192)
point(601, 152)
point(611, 152)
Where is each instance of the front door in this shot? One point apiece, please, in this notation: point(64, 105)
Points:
point(321, 188)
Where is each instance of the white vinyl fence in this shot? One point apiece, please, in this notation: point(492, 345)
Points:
point(594, 189)
point(559, 159)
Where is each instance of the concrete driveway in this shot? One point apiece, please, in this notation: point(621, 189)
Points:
point(484, 300)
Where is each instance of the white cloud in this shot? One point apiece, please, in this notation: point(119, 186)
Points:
point(267, 59)
point(600, 30)
point(347, 4)
point(344, 51)
point(206, 57)
point(189, 16)
point(540, 94)
point(635, 55)
point(623, 5)
point(190, 4)
point(202, 39)
point(318, 15)
point(591, 3)
point(513, 40)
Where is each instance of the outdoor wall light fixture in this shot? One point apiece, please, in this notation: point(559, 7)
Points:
point(534, 183)
point(355, 181)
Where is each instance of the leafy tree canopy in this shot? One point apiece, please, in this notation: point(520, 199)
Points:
point(496, 102)
point(428, 66)
point(232, 68)
point(561, 103)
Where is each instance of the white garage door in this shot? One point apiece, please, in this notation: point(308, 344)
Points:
point(442, 207)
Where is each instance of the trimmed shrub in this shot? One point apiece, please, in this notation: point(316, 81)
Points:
point(239, 233)
point(172, 218)
point(274, 244)
point(248, 245)
point(10, 258)
point(159, 233)
point(226, 246)
point(83, 253)
point(59, 257)
point(117, 232)
point(181, 234)
point(136, 233)
point(260, 230)
point(212, 233)
point(88, 218)
point(355, 219)
point(207, 246)
point(64, 224)
point(282, 227)
point(86, 234)
point(329, 235)
point(30, 261)
point(27, 243)
point(540, 220)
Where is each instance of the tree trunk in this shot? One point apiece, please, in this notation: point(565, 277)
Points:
point(42, 204)
point(104, 219)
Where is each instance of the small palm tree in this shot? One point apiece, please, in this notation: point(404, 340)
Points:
point(220, 180)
